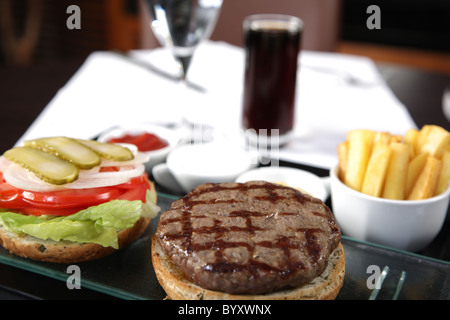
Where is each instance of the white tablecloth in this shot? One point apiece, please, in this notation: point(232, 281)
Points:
point(110, 89)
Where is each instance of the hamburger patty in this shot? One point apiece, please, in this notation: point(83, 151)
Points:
point(249, 238)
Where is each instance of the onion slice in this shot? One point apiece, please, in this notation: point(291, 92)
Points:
point(139, 157)
point(21, 178)
point(106, 179)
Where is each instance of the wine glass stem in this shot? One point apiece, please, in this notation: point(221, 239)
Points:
point(185, 62)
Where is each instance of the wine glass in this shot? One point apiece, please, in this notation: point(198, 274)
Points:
point(182, 24)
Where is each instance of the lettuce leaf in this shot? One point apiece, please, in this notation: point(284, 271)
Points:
point(97, 224)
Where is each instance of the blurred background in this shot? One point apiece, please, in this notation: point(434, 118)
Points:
point(413, 32)
point(38, 51)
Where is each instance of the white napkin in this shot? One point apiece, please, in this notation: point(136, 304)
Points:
point(110, 90)
point(328, 105)
point(106, 91)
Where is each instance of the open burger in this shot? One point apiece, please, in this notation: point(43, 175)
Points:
point(68, 200)
point(254, 240)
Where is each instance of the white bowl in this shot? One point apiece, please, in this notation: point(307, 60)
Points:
point(194, 164)
point(156, 156)
point(401, 224)
point(296, 178)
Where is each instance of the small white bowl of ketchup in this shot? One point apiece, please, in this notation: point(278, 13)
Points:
point(156, 141)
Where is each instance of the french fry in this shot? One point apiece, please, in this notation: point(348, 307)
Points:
point(426, 183)
point(444, 177)
point(359, 149)
point(422, 136)
point(410, 139)
point(377, 163)
point(395, 183)
point(396, 138)
point(383, 137)
point(343, 159)
point(437, 141)
point(376, 169)
point(415, 167)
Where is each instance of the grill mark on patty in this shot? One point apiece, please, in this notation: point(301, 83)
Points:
point(219, 244)
point(313, 248)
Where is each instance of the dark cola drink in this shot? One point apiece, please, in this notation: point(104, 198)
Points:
point(272, 44)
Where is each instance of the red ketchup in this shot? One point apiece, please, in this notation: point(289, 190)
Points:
point(144, 141)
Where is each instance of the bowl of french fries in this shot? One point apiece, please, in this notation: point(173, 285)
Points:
point(392, 189)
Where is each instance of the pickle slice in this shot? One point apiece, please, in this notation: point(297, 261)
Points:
point(46, 166)
point(109, 151)
point(67, 149)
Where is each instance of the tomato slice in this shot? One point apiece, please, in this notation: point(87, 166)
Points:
point(71, 198)
point(9, 195)
point(138, 193)
point(135, 189)
point(65, 202)
point(39, 211)
point(11, 201)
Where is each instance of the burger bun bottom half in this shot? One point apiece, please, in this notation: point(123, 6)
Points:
point(178, 287)
point(30, 247)
point(66, 251)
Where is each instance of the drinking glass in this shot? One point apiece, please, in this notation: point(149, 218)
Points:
point(182, 24)
point(272, 44)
